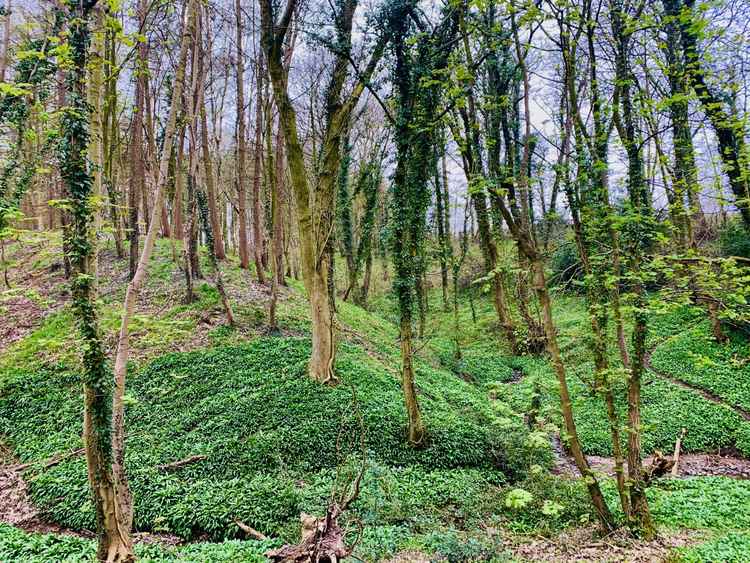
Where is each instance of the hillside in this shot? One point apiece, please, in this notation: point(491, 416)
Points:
point(225, 427)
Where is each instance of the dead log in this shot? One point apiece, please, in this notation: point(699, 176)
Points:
point(322, 541)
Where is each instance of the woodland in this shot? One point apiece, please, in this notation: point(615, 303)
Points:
point(399, 281)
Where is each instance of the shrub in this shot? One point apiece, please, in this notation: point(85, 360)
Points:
point(734, 240)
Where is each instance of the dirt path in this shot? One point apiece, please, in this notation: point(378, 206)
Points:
point(16, 507)
point(708, 395)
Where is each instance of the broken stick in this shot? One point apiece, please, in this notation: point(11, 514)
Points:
point(677, 446)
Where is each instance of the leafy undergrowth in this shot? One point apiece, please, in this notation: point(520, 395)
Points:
point(667, 408)
point(732, 547)
point(16, 545)
point(695, 357)
point(706, 503)
point(269, 436)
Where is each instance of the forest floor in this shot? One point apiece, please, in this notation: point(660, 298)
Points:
point(239, 398)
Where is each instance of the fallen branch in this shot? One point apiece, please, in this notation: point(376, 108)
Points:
point(51, 461)
point(676, 457)
point(181, 463)
point(251, 532)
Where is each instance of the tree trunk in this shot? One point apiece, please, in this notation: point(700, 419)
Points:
point(257, 154)
point(275, 171)
point(6, 39)
point(241, 147)
point(218, 240)
point(640, 520)
point(134, 287)
point(442, 227)
point(111, 495)
point(574, 443)
point(415, 426)
point(110, 137)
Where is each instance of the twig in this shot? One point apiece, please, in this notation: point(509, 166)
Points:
point(181, 463)
point(51, 461)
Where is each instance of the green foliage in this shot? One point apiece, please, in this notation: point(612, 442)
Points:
point(16, 545)
point(734, 239)
point(565, 265)
point(264, 428)
point(718, 503)
point(545, 504)
point(723, 369)
point(456, 547)
point(729, 548)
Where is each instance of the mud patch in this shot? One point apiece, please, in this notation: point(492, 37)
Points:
point(690, 465)
point(20, 316)
point(16, 507)
point(584, 544)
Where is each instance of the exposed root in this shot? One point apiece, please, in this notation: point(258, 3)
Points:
point(322, 541)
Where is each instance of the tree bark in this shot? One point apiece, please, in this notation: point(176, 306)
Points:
point(111, 495)
point(242, 148)
point(134, 287)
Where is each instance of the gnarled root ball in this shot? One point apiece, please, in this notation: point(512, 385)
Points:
point(322, 541)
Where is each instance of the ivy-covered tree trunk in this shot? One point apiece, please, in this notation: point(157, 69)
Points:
point(368, 182)
point(591, 216)
point(110, 494)
point(414, 137)
point(685, 171)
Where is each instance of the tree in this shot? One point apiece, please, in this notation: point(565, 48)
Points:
point(134, 287)
point(315, 208)
point(730, 129)
point(420, 59)
point(242, 152)
point(111, 494)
